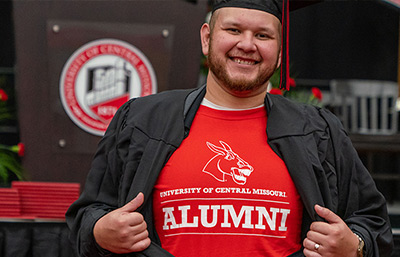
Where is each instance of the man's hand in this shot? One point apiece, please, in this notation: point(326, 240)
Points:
point(333, 238)
point(123, 230)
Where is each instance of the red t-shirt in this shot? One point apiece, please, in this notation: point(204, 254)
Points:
point(224, 192)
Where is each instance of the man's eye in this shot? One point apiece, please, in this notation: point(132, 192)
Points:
point(262, 36)
point(233, 30)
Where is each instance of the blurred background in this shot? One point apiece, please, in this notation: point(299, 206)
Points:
point(49, 130)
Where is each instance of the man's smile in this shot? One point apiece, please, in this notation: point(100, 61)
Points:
point(243, 61)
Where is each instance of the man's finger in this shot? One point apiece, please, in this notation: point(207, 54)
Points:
point(141, 245)
point(134, 203)
point(327, 214)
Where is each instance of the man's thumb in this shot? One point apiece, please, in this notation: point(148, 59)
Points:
point(134, 203)
point(327, 214)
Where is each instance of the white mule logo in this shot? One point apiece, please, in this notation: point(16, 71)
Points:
point(227, 162)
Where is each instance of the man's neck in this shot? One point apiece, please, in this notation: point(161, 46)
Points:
point(222, 96)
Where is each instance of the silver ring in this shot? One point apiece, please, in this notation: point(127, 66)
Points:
point(316, 247)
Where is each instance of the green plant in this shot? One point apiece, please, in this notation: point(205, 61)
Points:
point(10, 163)
point(313, 96)
point(5, 113)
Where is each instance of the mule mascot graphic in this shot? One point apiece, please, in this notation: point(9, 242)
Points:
point(227, 163)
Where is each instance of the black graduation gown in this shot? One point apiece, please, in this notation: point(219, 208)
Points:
point(314, 146)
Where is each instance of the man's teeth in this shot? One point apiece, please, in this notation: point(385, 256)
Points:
point(244, 62)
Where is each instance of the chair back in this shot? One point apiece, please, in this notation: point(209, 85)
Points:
point(366, 106)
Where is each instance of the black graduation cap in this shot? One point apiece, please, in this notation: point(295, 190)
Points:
point(280, 9)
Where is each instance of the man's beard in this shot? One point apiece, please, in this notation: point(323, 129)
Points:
point(218, 68)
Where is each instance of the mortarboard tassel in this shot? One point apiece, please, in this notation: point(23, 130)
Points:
point(284, 83)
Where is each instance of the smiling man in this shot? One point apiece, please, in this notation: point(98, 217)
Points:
point(228, 169)
point(243, 49)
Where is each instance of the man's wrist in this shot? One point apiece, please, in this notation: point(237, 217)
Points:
point(360, 248)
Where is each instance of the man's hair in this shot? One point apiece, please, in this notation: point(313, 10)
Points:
point(213, 19)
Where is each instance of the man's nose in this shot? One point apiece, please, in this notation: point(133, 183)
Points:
point(247, 42)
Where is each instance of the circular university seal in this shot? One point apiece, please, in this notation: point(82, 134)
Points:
point(101, 76)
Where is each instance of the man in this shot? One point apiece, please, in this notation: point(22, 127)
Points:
point(205, 178)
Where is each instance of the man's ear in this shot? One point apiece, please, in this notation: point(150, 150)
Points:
point(205, 38)
point(279, 59)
